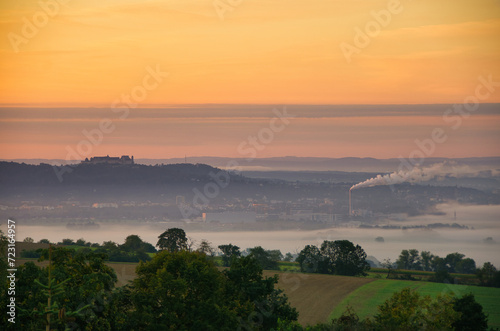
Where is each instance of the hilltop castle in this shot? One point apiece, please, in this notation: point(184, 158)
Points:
point(124, 159)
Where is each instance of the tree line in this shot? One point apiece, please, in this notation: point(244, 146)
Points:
point(444, 267)
point(134, 249)
point(177, 289)
point(184, 289)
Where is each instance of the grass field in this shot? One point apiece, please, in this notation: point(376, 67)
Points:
point(366, 298)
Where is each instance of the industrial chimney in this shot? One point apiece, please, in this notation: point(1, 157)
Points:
point(350, 203)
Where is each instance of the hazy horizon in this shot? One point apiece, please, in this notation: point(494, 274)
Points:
point(251, 131)
point(438, 241)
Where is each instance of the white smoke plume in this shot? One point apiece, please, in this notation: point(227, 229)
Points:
point(420, 174)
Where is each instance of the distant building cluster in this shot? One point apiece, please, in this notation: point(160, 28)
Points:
point(124, 159)
point(230, 217)
point(105, 205)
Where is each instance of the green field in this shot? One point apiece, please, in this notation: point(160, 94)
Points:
point(366, 298)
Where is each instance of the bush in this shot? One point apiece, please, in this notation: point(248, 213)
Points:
point(472, 316)
point(407, 310)
point(31, 254)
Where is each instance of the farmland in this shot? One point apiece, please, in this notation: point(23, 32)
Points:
point(366, 298)
point(319, 298)
point(314, 295)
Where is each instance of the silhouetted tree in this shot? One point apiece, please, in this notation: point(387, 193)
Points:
point(185, 291)
point(288, 257)
point(266, 259)
point(488, 275)
point(466, 266)
point(387, 264)
point(426, 260)
point(452, 261)
point(472, 316)
point(67, 241)
point(206, 248)
point(409, 260)
point(342, 257)
point(173, 240)
point(81, 242)
point(228, 252)
point(311, 260)
point(109, 245)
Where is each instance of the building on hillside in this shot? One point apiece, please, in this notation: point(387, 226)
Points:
point(124, 159)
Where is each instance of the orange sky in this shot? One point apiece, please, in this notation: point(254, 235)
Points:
point(283, 52)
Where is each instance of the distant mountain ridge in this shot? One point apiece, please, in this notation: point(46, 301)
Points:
point(293, 163)
point(22, 174)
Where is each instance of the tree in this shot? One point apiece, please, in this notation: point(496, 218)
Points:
point(415, 263)
point(471, 312)
point(173, 240)
point(185, 291)
point(288, 257)
point(387, 264)
point(229, 252)
point(348, 321)
point(264, 306)
point(409, 260)
point(28, 240)
point(4, 241)
point(442, 276)
point(44, 241)
point(80, 242)
point(488, 275)
point(438, 264)
point(311, 260)
point(426, 259)
point(466, 266)
point(109, 245)
point(134, 243)
point(452, 261)
point(266, 259)
point(190, 244)
point(67, 241)
point(206, 248)
point(275, 254)
point(341, 257)
point(82, 302)
point(180, 291)
point(403, 261)
point(407, 310)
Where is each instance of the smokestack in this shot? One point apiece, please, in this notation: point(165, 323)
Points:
point(350, 204)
